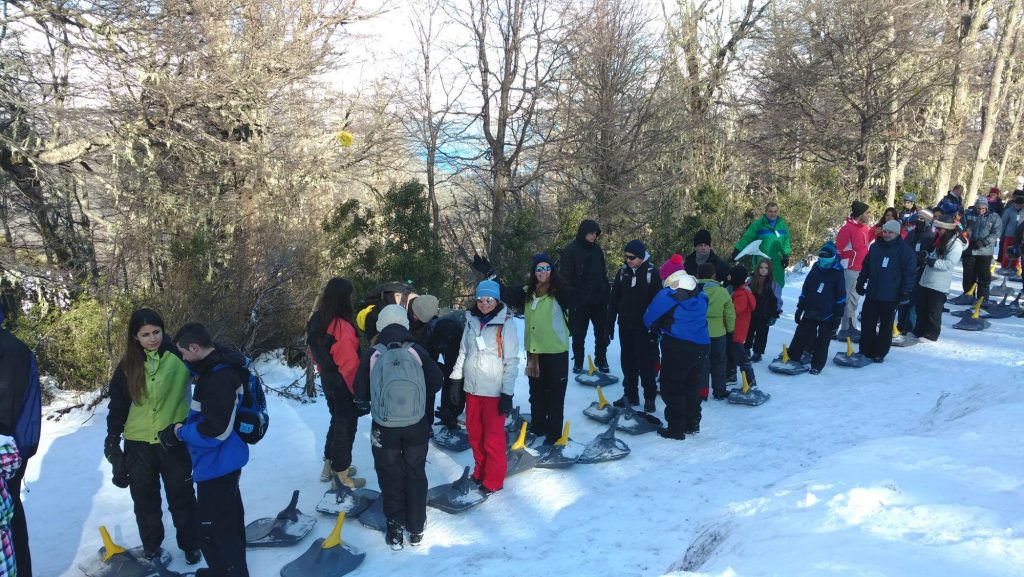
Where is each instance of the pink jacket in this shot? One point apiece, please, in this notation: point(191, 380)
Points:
point(852, 241)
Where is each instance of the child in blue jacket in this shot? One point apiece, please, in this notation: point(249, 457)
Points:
point(820, 308)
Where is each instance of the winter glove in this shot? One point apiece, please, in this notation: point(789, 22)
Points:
point(362, 406)
point(771, 321)
point(798, 316)
point(483, 266)
point(930, 261)
point(861, 289)
point(785, 261)
point(735, 253)
point(504, 404)
point(119, 465)
point(904, 299)
point(611, 332)
point(168, 437)
point(922, 257)
point(455, 391)
point(112, 448)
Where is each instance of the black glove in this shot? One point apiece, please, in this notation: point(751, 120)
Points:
point(611, 332)
point(112, 448)
point(362, 406)
point(168, 439)
point(735, 252)
point(922, 256)
point(798, 316)
point(904, 299)
point(504, 404)
point(483, 266)
point(975, 244)
point(119, 465)
point(455, 391)
point(771, 321)
point(930, 261)
point(785, 261)
point(861, 289)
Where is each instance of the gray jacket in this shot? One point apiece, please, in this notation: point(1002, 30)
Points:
point(492, 369)
point(1012, 218)
point(985, 231)
point(938, 276)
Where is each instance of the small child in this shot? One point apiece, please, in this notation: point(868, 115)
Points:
point(820, 308)
point(744, 302)
point(10, 462)
point(721, 321)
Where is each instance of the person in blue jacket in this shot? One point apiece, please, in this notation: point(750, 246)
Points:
point(678, 314)
point(886, 280)
point(820, 308)
point(218, 453)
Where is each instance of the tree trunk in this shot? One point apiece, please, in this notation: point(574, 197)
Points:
point(1011, 139)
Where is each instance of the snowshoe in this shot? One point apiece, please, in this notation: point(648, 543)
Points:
point(905, 340)
point(521, 458)
point(636, 422)
point(593, 378)
point(783, 365)
point(605, 447)
point(856, 360)
point(116, 561)
point(564, 453)
point(1000, 291)
point(963, 300)
point(454, 498)
point(1004, 309)
point(600, 410)
point(852, 334)
point(747, 395)
point(289, 527)
point(972, 323)
point(1006, 271)
point(454, 440)
point(326, 557)
point(373, 517)
point(341, 499)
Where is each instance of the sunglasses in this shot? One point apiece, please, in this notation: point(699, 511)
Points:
point(543, 268)
point(485, 300)
point(632, 257)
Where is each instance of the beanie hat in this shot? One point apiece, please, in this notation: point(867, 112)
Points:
point(542, 257)
point(488, 288)
point(702, 237)
point(424, 307)
point(892, 226)
point(910, 197)
point(981, 203)
point(995, 190)
point(681, 280)
point(637, 248)
point(392, 315)
point(672, 265)
point(858, 208)
point(925, 214)
point(829, 249)
point(1018, 196)
point(737, 276)
point(948, 207)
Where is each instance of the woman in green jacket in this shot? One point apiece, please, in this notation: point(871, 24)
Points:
point(148, 392)
point(545, 300)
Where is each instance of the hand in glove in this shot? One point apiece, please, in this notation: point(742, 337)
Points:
point(112, 448)
point(455, 391)
point(504, 404)
point(904, 299)
point(771, 321)
point(785, 261)
point(611, 332)
point(861, 289)
point(735, 253)
point(930, 261)
point(362, 406)
point(169, 437)
point(798, 316)
point(483, 266)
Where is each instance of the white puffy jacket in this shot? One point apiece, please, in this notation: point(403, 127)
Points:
point(938, 276)
point(492, 369)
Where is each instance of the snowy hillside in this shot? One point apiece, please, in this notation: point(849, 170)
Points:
point(910, 468)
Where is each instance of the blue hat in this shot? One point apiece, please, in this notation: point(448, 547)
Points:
point(542, 257)
point(828, 250)
point(488, 288)
point(637, 248)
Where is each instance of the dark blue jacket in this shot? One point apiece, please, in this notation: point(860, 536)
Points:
point(889, 270)
point(689, 316)
point(209, 431)
point(20, 398)
point(824, 294)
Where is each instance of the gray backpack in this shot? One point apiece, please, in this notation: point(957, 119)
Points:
point(398, 390)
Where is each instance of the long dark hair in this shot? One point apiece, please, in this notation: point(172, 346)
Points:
point(758, 282)
point(556, 282)
point(891, 210)
point(943, 241)
point(335, 302)
point(133, 361)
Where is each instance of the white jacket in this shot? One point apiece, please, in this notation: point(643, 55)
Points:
point(490, 370)
point(938, 276)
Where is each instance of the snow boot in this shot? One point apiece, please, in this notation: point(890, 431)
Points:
point(649, 406)
point(326, 473)
point(667, 433)
point(755, 358)
point(193, 557)
point(577, 368)
point(626, 401)
point(393, 536)
point(345, 478)
point(415, 539)
point(602, 366)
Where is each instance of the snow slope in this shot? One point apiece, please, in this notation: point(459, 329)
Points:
point(913, 467)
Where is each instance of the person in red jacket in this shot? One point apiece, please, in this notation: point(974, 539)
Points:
point(852, 241)
point(744, 302)
point(334, 347)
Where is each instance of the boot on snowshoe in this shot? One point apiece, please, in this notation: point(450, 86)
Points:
point(193, 557)
point(393, 537)
point(625, 401)
point(577, 368)
point(649, 406)
point(667, 433)
point(602, 366)
point(345, 478)
point(755, 358)
point(415, 539)
point(326, 473)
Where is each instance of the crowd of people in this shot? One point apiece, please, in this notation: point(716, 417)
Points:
point(684, 328)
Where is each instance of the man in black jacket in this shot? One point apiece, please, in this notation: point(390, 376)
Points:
point(703, 253)
point(583, 266)
point(634, 288)
point(886, 280)
point(20, 417)
point(441, 337)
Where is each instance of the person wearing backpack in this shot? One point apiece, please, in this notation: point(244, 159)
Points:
point(218, 453)
point(382, 295)
point(334, 348)
point(396, 383)
point(634, 288)
point(486, 368)
point(148, 392)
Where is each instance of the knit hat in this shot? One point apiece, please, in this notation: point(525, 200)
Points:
point(995, 190)
point(945, 222)
point(737, 276)
point(542, 257)
point(892, 226)
point(392, 315)
point(637, 248)
point(829, 249)
point(488, 288)
point(1018, 196)
point(672, 265)
point(948, 207)
point(925, 214)
point(858, 208)
point(910, 197)
point(981, 203)
point(681, 280)
point(424, 307)
point(702, 237)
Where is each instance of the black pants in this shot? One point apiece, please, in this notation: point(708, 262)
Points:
point(222, 525)
point(877, 318)
point(684, 371)
point(757, 338)
point(977, 269)
point(449, 411)
point(547, 396)
point(639, 360)
point(738, 358)
point(929, 313)
point(718, 356)
point(906, 315)
point(814, 335)
point(148, 465)
point(579, 319)
point(400, 459)
point(19, 526)
point(341, 434)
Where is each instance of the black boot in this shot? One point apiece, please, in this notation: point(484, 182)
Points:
point(393, 537)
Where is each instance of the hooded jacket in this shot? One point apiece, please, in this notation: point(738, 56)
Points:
point(583, 266)
point(985, 232)
point(1011, 218)
point(336, 355)
point(889, 270)
point(165, 402)
point(209, 431)
point(632, 291)
point(938, 275)
point(852, 241)
point(823, 296)
point(721, 314)
point(492, 370)
point(744, 302)
point(687, 315)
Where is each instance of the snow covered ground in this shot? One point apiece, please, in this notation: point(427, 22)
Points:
point(910, 468)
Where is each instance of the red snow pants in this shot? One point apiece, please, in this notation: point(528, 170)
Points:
point(486, 429)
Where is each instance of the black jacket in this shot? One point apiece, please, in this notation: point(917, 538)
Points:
point(921, 240)
point(120, 400)
point(583, 266)
point(217, 391)
point(20, 397)
point(441, 338)
point(889, 269)
point(632, 291)
point(721, 269)
point(431, 373)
